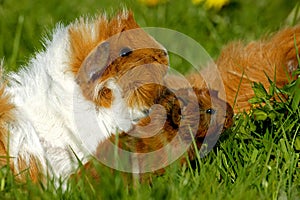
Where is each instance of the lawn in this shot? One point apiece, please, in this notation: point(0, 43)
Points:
point(258, 158)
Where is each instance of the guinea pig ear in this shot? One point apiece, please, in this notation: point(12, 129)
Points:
point(95, 63)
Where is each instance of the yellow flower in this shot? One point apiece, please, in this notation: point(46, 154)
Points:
point(152, 2)
point(196, 2)
point(218, 4)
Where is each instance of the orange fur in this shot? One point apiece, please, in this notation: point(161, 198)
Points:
point(147, 58)
point(151, 135)
point(6, 116)
point(84, 39)
point(29, 170)
point(249, 63)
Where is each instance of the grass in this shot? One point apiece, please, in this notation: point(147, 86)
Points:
point(258, 158)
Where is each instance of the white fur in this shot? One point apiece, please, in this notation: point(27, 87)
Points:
point(53, 117)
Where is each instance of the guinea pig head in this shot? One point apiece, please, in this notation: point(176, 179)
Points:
point(118, 61)
point(208, 114)
point(186, 112)
point(215, 116)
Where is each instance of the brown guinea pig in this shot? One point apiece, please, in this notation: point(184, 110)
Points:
point(177, 118)
point(240, 65)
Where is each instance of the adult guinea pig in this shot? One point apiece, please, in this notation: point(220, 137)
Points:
point(242, 64)
point(94, 78)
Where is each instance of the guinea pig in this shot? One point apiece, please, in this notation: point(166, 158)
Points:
point(240, 65)
point(182, 119)
point(81, 89)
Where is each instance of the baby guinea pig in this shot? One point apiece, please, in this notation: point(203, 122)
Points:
point(178, 117)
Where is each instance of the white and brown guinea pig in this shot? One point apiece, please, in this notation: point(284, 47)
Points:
point(240, 65)
point(89, 70)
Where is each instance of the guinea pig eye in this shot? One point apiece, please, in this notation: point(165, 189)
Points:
point(210, 111)
point(126, 51)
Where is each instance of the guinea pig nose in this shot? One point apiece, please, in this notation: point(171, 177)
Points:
point(210, 111)
point(126, 51)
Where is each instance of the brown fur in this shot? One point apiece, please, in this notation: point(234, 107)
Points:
point(155, 131)
point(29, 170)
point(131, 72)
point(155, 138)
point(6, 116)
point(240, 65)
